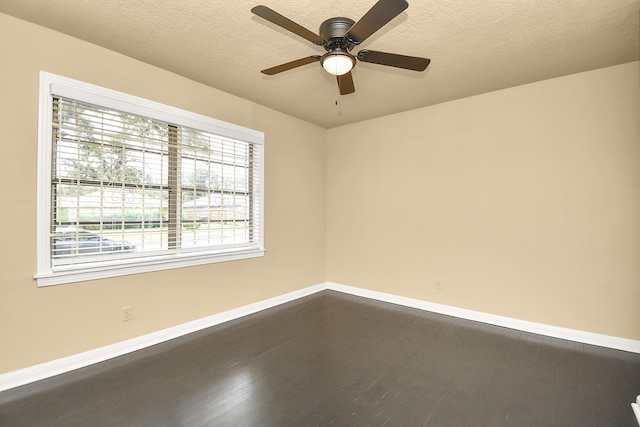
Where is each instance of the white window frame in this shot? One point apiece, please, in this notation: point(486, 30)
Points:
point(53, 85)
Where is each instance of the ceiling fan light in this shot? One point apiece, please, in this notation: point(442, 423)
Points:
point(338, 63)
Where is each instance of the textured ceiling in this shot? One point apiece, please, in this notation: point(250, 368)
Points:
point(476, 46)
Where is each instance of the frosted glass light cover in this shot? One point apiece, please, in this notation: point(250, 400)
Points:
point(337, 64)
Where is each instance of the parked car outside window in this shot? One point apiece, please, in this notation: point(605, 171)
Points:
point(73, 241)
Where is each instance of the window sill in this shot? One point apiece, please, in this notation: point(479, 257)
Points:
point(71, 274)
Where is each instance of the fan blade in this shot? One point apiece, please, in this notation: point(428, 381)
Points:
point(381, 13)
point(345, 84)
point(394, 60)
point(290, 65)
point(287, 24)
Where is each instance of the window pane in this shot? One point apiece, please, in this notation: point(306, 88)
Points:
point(109, 184)
point(112, 187)
point(216, 198)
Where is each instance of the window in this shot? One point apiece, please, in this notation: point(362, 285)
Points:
point(127, 185)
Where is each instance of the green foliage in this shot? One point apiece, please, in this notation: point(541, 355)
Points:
point(191, 225)
point(103, 145)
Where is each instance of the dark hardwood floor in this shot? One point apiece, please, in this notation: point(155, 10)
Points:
point(338, 360)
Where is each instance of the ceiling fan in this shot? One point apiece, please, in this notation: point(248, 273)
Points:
point(339, 36)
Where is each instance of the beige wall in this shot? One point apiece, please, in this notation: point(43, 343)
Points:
point(523, 202)
point(41, 324)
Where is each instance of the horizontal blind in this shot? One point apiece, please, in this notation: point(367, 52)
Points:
point(127, 186)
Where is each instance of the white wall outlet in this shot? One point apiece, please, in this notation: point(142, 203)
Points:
point(127, 313)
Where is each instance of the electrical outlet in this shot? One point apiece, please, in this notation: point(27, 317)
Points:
point(439, 284)
point(127, 313)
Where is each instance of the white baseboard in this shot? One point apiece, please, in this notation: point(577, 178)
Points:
point(617, 343)
point(636, 409)
point(67, 364)
point(81, 360)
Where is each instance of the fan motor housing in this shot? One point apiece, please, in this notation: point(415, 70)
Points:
point(333, 30)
